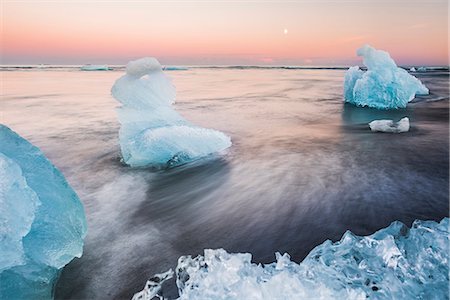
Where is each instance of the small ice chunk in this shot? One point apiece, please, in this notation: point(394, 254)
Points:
point(383, 85)
point(422, 69)
point(413, 69)
point(175, 68)
point(393, 263)
point(42, 221)
point(153, 286)
point(95, 68)
point(390, 126)
point(152, 133)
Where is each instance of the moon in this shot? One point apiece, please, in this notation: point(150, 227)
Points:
point(285, 31)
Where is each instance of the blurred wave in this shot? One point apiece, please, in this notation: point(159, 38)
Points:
point(304, 167)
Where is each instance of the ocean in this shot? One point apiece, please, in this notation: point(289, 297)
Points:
point(304, 167)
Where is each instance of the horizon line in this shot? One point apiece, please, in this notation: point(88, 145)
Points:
point(218, 65)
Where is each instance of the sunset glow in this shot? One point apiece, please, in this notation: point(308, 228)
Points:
point(279, 33)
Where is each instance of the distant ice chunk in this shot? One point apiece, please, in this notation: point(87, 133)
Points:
point(383, 85)
point(42, 221)
point(390, 126)
point(413, 69)
point(422, 69)
point(152, 133)
point(95, 68)
point(394, 263)
point(175, 68)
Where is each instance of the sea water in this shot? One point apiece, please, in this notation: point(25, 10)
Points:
point(304, 167)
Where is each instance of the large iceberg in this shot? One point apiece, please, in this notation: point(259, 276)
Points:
point(383, 85)
point(42, 221)
point(152, 133)
point(393, 263)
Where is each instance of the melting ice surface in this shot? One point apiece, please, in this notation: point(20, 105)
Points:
point(393, 263)
point(383, 85)
point(42, 221)
point(152, 133)
point(390, 126)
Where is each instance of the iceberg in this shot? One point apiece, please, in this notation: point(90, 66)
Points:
point(413, 69)
point(396, 262)
point(42, 221)
point(152, 133)
point(383, 85)
point(95, 68)
point(175, 68)
point(422, 69)
point(390, 126)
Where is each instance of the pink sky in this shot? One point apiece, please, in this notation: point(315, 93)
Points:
point(223, 32)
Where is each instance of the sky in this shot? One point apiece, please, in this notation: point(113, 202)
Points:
point(302, 32)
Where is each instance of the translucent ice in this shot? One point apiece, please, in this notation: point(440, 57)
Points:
point(383, 85)
point(152, 133)
point(390, 126)
point(393, 263)
point(175, 68)
point(42, 221)
point(95, 68)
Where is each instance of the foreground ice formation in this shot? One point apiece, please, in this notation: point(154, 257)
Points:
point(383, 85)
point(152, 133)
point(390, 126)
point(42, 221)
point(393, 263)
